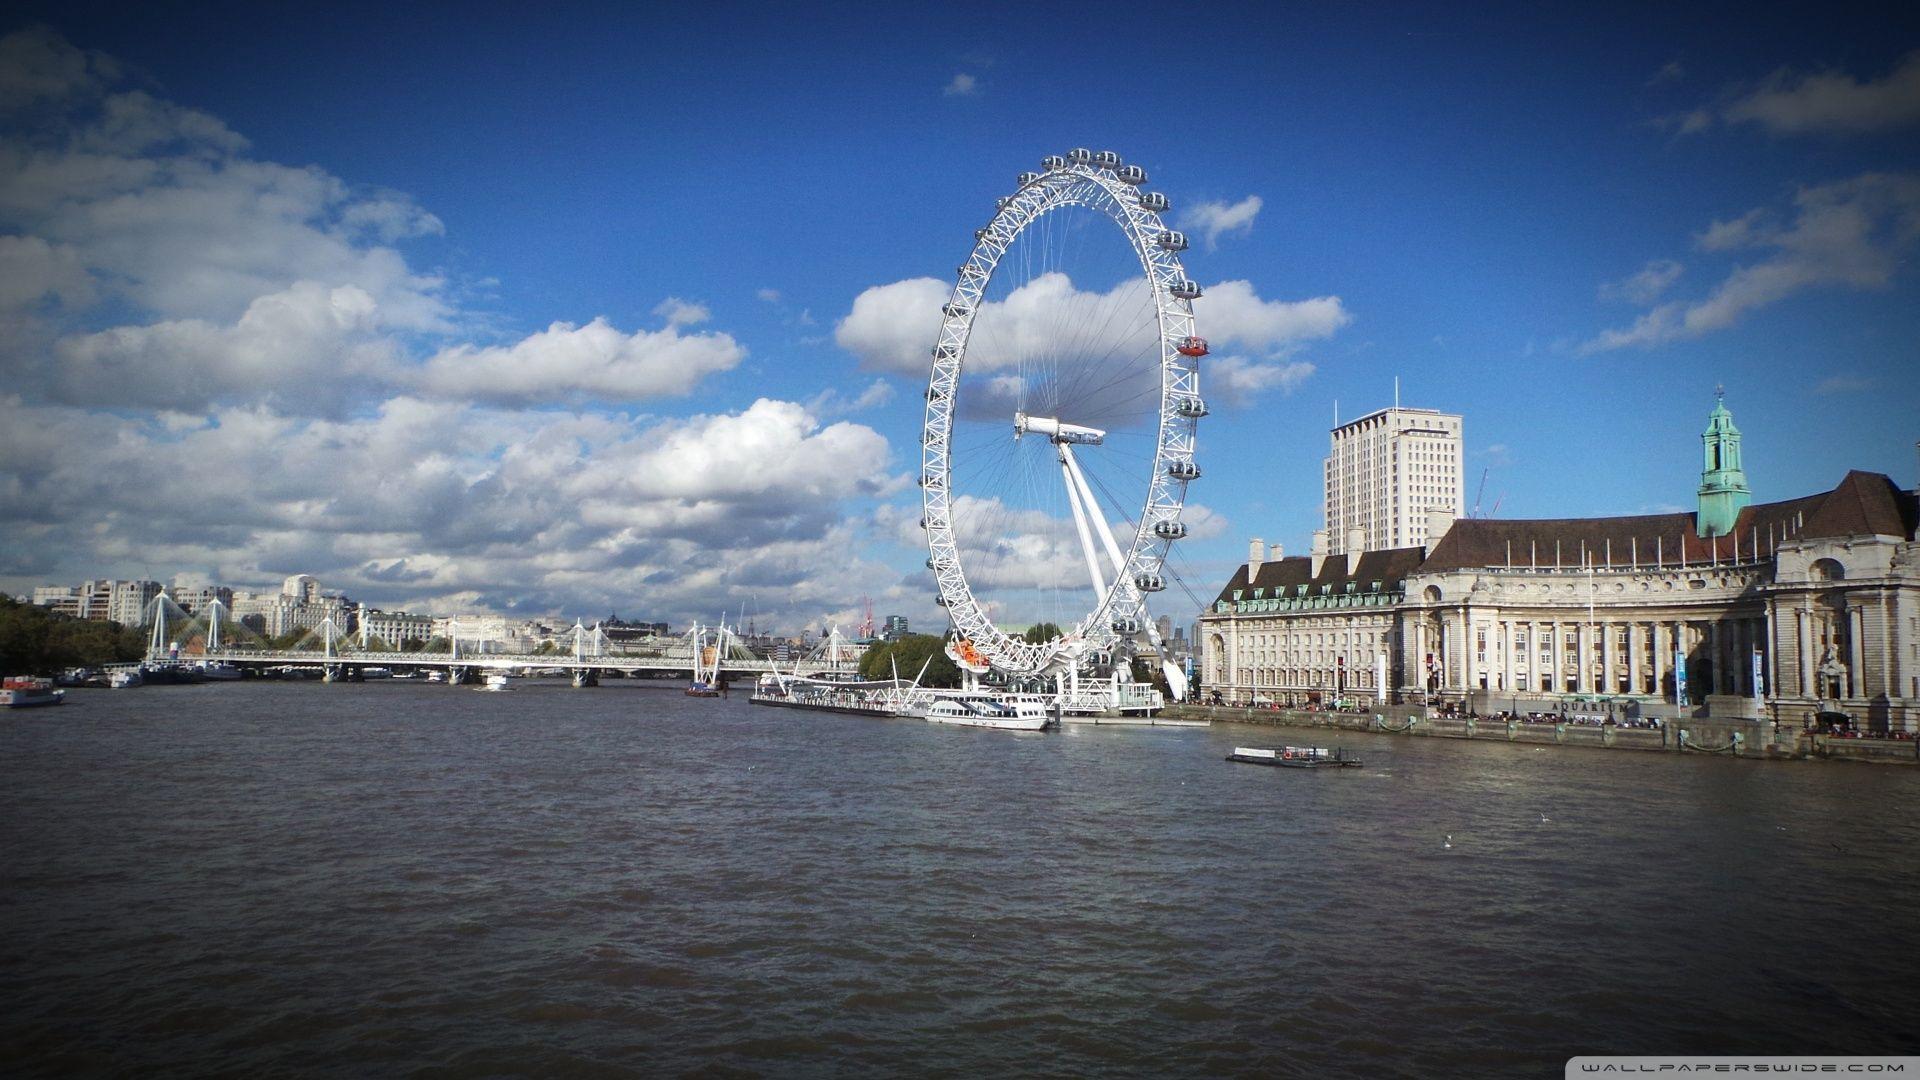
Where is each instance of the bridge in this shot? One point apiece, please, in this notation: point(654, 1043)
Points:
point(337, 655)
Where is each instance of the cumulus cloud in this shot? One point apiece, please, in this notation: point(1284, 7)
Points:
point(441, 505)
point(565, 362)
point(1820, 103)
point(33, 271)
point(962, 85)
point(680, 312)
point(1671, 71)
point(1236, 380)
point(1214, 219)
point(1645, 286)
point(892, 327)
point(1853, 233)
point(1832, 102)
point(1233, 313)
point(39, 67)
point(226, 368)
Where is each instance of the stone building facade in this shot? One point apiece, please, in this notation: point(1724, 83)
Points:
point(1788, 610)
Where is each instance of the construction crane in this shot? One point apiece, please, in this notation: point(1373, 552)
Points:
point(1481, 493)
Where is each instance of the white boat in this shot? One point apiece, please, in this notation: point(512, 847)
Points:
point(496, 681)
point(218, 671)
point(25, 692)
point(436, 675)
point(1018, 712)
point(125, 677)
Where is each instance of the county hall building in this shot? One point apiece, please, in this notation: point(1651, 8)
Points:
point(1785, 610)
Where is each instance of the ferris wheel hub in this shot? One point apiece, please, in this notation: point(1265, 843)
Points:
point(1056, 430)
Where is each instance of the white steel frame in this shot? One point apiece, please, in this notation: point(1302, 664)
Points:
point(1122, 602)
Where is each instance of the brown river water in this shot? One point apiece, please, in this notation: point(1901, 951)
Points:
point(262, 879)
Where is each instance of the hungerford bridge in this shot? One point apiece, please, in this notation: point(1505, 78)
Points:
point(182, 639)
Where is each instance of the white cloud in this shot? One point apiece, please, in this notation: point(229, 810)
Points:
point(771, 296)
point(1671, 71)
point(565, 362)
point(963, 85)
point(1214, 219)
point(1833, 102)
point(38, 66)
point(1236, 380)
point(226, 368)
point(443, 505)
point(892, 327)
point(1232, 312)
point(680, 312)
point(1843, 384)
point(1645, 286)
point(32, 271)
point(1854, 233)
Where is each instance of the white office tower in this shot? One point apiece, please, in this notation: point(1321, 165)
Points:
point(1388, 470)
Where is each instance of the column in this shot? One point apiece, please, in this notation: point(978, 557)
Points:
point(1583, 659)
point(1633, 657)
point(1553, 656)
point(1856, 648)
point(1466, 652)
point(1804, 635)
point(1714, 650)
point(1662, 657)
point(1506, 654)
point(1679, 652)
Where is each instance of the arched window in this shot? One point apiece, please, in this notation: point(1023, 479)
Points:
point(1827, 570)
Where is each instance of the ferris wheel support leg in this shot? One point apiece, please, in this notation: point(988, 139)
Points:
point(1080, 525)
point(1079, 480)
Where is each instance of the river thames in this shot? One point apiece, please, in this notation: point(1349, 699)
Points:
point(393, 878)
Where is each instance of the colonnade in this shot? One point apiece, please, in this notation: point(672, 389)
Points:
point(1601, 656)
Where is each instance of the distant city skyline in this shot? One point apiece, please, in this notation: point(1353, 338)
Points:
point(569, 312)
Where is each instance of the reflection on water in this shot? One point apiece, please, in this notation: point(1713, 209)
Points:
point(384, 878)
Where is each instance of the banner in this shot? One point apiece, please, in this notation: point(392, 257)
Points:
point(1759, 676)
point(1380, 677)
point(1680, 677)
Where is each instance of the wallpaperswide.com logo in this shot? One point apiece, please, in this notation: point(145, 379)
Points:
point(1747, 1065)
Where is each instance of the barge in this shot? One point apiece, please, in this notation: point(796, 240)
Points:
point(1296, 757)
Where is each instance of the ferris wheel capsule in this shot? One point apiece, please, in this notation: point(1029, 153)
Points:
point(1171, 241)
point(1131, 174)
point(1150, 583)
point(1052, 162)
point(1154, 201)
point(1107, 159)
point(1185, 289)
point(1170, 530)
point(1183, 470)
point(1192, 346)
point(1028, 178)
point(1080, 155)
point(1191, 407)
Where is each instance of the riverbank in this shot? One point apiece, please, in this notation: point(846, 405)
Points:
point(1734, 737)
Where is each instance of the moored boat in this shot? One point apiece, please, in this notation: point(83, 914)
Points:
point(1015, 714)
point(218, 671)
point(125, 677)
point(495, 681)
point(1296, 757)
point(25, 692)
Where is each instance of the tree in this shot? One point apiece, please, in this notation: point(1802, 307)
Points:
point(1041, 633)
point(914, 650)
point(36, 641)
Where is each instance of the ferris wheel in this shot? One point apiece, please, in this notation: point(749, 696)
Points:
point(1060, 420)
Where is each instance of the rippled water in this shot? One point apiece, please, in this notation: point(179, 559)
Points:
point(392, 878)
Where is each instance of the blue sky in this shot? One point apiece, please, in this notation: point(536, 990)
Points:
point(336, 357)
